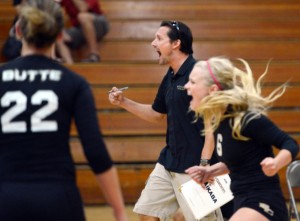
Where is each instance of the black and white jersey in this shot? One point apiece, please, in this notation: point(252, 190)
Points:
point(243, 157)
point(38, 100)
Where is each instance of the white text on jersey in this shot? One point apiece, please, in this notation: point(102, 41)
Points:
point(30, 75)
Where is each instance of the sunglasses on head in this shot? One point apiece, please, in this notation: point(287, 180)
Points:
point(176, 25)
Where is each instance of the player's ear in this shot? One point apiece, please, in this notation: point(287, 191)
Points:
point(213, 88)
point(19, 34)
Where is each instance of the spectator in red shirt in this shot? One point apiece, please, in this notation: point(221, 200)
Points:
point(89, 26)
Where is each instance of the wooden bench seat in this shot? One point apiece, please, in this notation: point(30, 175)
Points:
point(177, 10)
point(126, 48)
point(7, 12)
point(141, 51)
point(5, 27)
point(132, 180)
point(208, 29)
point(146, 95)
point(202, 30)
point(135, 73)
point(124, 123)
point(182, 10)
point(137, 149)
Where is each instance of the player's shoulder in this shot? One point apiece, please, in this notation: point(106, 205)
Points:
point(255, 121)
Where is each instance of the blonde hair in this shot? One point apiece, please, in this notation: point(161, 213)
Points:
point(40, 21)
point(240, 95)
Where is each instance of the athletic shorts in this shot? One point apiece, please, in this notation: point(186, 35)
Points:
point(269, 203)
point(161, 197)
point(101, 26)
point(40, 201)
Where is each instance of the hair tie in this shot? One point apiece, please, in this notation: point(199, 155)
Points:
point(213, 76)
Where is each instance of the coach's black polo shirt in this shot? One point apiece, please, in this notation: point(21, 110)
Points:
point(184, 143)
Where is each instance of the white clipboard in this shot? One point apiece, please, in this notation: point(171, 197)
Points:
point(204, 201)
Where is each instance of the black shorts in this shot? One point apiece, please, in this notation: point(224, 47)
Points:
point(40, 201)
point(269, 203)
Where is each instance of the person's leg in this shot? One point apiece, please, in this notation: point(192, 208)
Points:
point(64, 51)
point(178, 216)
point(157, 200)
point(247, 214)
point(147, 218)
point(72, 38)
point(86, 21)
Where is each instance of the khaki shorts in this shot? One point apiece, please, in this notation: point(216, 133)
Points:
point(161, 197)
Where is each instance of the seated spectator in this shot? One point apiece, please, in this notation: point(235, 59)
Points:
point(12, 46)
point(89, 26)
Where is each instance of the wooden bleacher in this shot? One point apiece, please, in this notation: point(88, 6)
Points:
point(254, 30)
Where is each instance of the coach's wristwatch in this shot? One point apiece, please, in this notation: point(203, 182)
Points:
point(204, 162)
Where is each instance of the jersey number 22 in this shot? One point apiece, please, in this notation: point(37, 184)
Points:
point(37, 122)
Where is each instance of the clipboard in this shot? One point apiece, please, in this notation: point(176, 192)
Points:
point(204, 201)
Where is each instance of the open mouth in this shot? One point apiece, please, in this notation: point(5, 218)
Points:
point(159, 53)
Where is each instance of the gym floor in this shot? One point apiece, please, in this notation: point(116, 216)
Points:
point(104, 213)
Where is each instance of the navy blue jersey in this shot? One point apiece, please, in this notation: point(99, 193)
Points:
point(243, 157)
point(39, 98)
